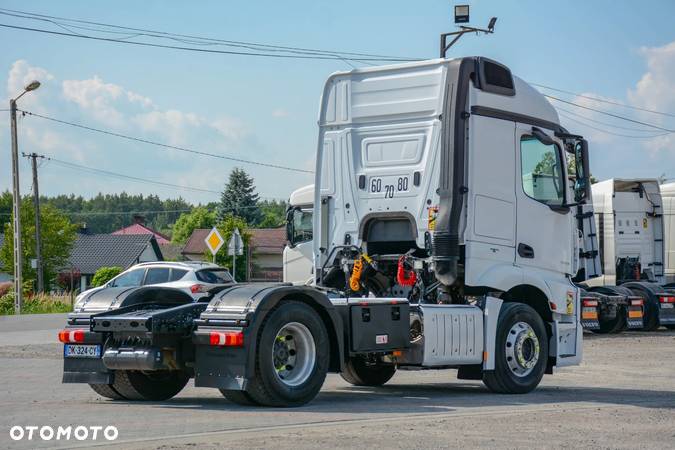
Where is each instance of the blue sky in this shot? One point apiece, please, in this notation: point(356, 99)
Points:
point(265, 109)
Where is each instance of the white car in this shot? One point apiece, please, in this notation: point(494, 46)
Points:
point(192, 277)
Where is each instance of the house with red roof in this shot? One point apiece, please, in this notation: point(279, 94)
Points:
point(139, 227)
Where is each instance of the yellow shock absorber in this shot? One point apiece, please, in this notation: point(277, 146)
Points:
point(354, 280)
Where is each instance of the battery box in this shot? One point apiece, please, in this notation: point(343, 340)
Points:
point(379, 325)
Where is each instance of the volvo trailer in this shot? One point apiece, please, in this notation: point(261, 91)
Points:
point(444, 235)
point(625, 234)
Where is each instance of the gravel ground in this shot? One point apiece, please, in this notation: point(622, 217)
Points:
point(622, 396)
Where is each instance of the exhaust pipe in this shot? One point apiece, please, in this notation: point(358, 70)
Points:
point(149, 358)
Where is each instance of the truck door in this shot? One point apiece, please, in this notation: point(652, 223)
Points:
point(543, 238)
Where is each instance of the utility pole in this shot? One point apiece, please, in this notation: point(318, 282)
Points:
point(38, 227)
point(18, 253)
point(18, 249)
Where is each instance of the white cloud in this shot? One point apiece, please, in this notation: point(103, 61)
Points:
point(172, 123)
point(105, 101)
point(22, 73)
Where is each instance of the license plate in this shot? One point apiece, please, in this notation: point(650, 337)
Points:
point(81, 351)
point(389, 186)
point(666, 305)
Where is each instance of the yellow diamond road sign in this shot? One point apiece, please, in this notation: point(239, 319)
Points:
point(214, 241)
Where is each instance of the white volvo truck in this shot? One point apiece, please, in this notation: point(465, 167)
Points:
point(444, 236)
point(630, 238)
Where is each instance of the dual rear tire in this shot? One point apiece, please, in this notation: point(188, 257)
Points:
point(292, 359)
point(136, 385)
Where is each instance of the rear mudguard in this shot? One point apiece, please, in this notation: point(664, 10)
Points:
point(245, 307)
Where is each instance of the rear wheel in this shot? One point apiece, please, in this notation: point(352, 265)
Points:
point(521, 351)
point(358, 372)
point(619, 322)
point(106, 390)
point(650, 318)
point(292, 357)
point(160, 385)
point(239, 397)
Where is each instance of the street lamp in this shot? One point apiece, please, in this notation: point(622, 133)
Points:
point(18, 254)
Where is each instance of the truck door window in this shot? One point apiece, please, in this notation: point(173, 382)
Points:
point(302, 226)
point(541, 170)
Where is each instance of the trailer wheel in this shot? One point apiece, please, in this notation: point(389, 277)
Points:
point(106, 390)
point(160, 385)
point(239, 397)
point(521, 351)
point(359, 373)
point(292, 357)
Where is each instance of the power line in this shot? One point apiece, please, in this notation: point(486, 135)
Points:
point(611, 132)
point(128, 177)
point(199, 40)
point(581, 116)
point(609, 114)
point(204, 50)
point(159, 144)
point(90, 169)
point(603, 100)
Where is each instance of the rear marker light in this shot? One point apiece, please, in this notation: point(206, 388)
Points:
point(227, 339)
point(637, 302)
point(667, 299)
point(587, 302)
point(70, 336)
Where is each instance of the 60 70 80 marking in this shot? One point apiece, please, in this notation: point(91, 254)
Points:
point(390, 185)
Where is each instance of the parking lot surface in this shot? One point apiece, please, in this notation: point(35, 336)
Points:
point(622, 396)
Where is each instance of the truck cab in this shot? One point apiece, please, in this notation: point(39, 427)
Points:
point(297, 258)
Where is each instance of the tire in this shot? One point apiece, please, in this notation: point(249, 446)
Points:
point(239, 397)
point(670, 327)
point(155, 386)
point(307, 353)
point(358, 373)
point(650, 319)
point(517, 327)
point(619, 323)
point(106, 390)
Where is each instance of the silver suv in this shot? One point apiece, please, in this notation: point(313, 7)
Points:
point(193, 277)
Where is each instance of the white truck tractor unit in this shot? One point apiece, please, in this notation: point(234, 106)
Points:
point(444, 236)
point(629, 231)
point(668, 197)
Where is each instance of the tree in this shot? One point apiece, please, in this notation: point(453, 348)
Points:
point(239, 198)
point(273, 212)
point(226, 228)
point(200, 217)
point(58, 236)
point(105, 274)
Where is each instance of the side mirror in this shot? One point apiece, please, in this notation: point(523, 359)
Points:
point(290, 227)
point(582, 185)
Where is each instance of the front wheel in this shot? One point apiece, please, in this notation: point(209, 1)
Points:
point(292, 357)
point(521, 351)
point(358, 372)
